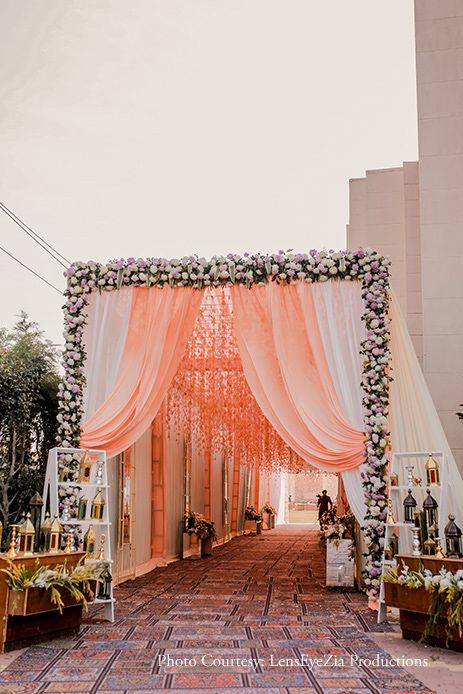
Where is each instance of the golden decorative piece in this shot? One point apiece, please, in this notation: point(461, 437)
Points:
point(55, 535)
point(432, 471)
point(101, 556)
point(68, 548)
point(98, 505)
point(390, 516)
point(417, 481)
point(45, 530)
point(90, 542)
point(85, 467)
point(439, 553)
point(394, 480)
point(12, 548)
point(27, 536)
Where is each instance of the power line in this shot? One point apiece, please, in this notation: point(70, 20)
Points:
point(35, 236)
point(30, 270)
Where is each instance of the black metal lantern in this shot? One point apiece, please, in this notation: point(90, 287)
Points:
point(104, 592)
point(409, 508)
point(35, 506)
point(453, 539)
point(430, 507)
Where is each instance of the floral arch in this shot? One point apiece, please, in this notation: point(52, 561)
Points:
point(233, 272)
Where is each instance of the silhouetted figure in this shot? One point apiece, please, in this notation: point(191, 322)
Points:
point(324, 503)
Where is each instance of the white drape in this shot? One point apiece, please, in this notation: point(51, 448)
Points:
point(415, 424)
point(339, 307)
point(104, 339)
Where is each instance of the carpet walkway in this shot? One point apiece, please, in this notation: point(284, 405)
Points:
point(253, 617)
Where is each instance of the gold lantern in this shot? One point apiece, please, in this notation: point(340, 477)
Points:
point(85, 467)
point(82, 510)
point(98, 504)
point(394, 479)
point(432, 471)
point(26, 536)
point(55, 535)
point(90, 542)
point(45, 529)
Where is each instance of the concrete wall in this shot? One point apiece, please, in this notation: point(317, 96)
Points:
point(384, 215)
point(439, 59)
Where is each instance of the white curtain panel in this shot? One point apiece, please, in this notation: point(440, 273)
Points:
point(105, 333)
point(339, 307)
point(415, 424)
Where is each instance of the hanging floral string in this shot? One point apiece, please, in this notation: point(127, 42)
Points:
point(210, 397)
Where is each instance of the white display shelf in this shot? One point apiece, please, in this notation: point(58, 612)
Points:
point(398, 464)
point(51, 501)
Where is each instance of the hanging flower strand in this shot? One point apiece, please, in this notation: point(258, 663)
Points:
point(363, 265)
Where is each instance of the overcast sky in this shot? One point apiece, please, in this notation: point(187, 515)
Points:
point(170, 127)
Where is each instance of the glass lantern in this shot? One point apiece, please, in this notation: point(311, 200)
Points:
point(453, 539)
point(430, 507)
point(409, 508)
point(432, 471)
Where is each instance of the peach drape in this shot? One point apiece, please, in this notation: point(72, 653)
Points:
point(284, 362)
point(160, 325)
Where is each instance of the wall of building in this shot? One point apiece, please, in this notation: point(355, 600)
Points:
point(439, 61)
point(384, 214)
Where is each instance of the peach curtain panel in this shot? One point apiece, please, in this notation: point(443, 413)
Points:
point(161, 321)
point(285, 365)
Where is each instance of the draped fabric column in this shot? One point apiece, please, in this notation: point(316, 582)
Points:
point(105, 333)
point(339, 307)
point(285, 365)
point(161, 321)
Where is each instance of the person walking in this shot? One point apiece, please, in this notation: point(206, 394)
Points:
point(324, 504)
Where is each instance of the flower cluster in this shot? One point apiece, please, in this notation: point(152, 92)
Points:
point(335, 528)
point(251, 514)
point(363, 265)
point(442, 581)
point(196, 523)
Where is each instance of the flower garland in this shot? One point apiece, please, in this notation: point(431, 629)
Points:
point(364, 265)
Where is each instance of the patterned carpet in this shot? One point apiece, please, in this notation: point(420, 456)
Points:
point(253, 617)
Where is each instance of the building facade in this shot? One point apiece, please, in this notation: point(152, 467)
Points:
point(414, 213)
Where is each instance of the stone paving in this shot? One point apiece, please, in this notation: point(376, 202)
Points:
point(253, 617)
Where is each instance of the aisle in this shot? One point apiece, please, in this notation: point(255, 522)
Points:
point(255, 599)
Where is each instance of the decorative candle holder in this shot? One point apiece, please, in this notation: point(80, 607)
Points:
point(101, 556)
point(410, 476)
point(12, 548)
point(416, 542)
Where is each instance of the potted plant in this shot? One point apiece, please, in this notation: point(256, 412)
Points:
point(430, 605)
point(337, 534)
point(204, 529)
point(36, 589)
point(250, 514)
point(271, 513)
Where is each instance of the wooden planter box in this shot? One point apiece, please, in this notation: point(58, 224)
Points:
point(414, 605)
point(35, 600)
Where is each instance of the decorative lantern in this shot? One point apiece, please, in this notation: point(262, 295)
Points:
point(432, 471)
point(104, 592)
point(82, 510)
point(35, 505)
point(453, 539)
point(429, 547)
point(55, 535)
point(394, 480)
point(98, 504)
point(45, 530)
point(26, 536)
point(430, 507)
point(90, 542)
point(85, 467)
point(409, 507)
point(394, 545)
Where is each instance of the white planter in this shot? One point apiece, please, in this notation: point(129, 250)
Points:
point(339, 564)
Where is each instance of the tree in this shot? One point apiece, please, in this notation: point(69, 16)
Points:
point(29, 383)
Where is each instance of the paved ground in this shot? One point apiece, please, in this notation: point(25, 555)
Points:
point(258, 600)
